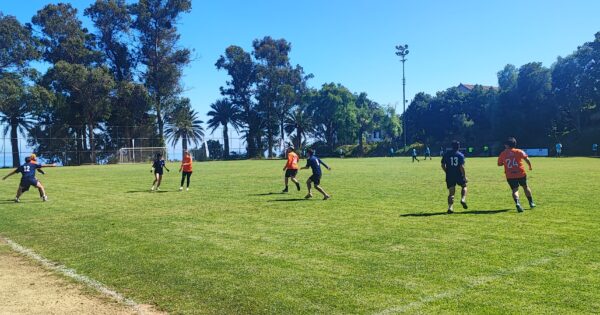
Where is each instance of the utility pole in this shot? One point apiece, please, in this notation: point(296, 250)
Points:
point(402, 51)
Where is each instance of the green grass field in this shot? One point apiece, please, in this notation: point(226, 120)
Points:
point(381, 245)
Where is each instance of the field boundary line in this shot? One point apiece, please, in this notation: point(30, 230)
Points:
point(477, 282)
point(72, 274)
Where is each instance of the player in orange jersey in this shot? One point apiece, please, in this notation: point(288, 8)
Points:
point(512, 160)
point(186, 167)
point(291, 168)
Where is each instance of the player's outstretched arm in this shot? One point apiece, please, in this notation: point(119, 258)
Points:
point(9, 174)
point(326, 166)
point(528, 163)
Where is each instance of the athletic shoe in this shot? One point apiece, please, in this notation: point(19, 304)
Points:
point(152, 189)
point(17, 200)
point(308, 196)
point(180, 188)
point(157, 188)
point(326, 197)
point(450, 211)
point(285, 190)
point(45, 198)
point(464, 204)
point(519, 208)
point(531, 205)
point(187, 189)
point(298, 186)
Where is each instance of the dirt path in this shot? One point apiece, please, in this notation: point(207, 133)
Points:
point(27, 288)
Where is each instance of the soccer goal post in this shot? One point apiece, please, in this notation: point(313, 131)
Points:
point(141, 154)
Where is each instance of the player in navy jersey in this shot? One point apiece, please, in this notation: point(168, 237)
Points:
point(157, 168)
point(315, 163)
point(453, 164)
point(28, 179)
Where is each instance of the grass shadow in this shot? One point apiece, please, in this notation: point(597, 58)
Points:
point(267, 194)
point(147, 191)
point(288, 200)
point(8, 201)
point(431, 214)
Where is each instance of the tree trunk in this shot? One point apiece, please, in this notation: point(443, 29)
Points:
point(92, 142)
point(361, 142)
point(299, 139)
point(79, 145)
point(184, 144)
point(225, 142)
point(14, 142)
point(160, 121)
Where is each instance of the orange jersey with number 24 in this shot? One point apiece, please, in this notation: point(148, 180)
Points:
point(512, 159)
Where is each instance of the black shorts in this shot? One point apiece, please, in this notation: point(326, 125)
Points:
point(159, 172)
point(28, 182)
point(452, 181)
point(315, 179)
point(516, 182)
point(291, 173)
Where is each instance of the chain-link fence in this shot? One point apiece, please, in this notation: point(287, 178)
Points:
point(72, 145)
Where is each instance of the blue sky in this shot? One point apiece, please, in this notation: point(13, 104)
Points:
point(352, 41)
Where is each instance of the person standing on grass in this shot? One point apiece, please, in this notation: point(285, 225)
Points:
point(427, 153)
point(512, 160)
point(453, 164)
point(28, 179)
point(315, 164)
point(414, 155)
point(157, 168)
point(291, 168)
point(186, 167)
point(558, 149)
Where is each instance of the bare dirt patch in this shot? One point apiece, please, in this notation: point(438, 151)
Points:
point(27, 288)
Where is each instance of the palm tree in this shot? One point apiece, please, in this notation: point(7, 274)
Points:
point(300, 121)
point(224, 113)
point(183, 124)
point(16, 119)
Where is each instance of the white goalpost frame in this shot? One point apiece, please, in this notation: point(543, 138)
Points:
point(131, 155)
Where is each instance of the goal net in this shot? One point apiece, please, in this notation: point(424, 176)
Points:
point(141, 154)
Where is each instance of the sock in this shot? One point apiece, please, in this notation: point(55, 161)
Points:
point(450, 201)
point(517, 201)
point(530, 199)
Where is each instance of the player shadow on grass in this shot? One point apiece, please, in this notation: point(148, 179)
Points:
point(430, 214)
point(288, 200)
point(267, 194)
point(147, 191)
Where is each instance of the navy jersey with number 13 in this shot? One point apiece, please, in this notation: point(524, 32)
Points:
point(453, 161)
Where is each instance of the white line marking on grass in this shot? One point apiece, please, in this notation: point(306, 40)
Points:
point(477, 282)
point(71, 273)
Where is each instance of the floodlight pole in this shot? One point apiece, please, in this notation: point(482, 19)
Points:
point(402, 51)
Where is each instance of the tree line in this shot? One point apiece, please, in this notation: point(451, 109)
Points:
point(538, 105)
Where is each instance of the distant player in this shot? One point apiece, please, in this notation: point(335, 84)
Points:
point(315, 164)
point(558, 149)
point(157, 168)
point(453, 164)
point(186, 170)
point(414, 155)
point(427, 153)
point(291, 168)
point(512, 160)
point(28, 179)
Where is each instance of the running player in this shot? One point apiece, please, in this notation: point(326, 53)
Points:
point(186, 167)
point(315, 164)
point(291, 168)
point(427, 153)
point(453, 164)
point(414, 155)
point(28, 179)
point(158, 165)
point(512, 160)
